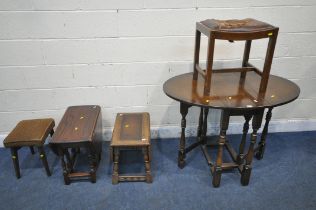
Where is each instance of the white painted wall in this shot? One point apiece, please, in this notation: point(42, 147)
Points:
point(116, 53)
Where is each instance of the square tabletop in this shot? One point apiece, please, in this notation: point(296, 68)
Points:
point(30, 132)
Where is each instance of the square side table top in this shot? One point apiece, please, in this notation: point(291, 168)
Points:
point(29, 132)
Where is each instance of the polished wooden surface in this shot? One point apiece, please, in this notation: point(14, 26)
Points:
point(30, 133)
point(246, 29)
point(242, 91)
point(131, 129)
point(234, 25)
point(77, 125)
point(234, 30)
point(80, 127)
point(229, 91)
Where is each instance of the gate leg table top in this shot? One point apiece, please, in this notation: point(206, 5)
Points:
point(80, 127)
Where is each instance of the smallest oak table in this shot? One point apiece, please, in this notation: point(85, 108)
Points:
point(80, 127)
point(31, 133)
point(235, 96)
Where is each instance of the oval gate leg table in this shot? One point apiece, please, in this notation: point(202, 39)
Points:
point(244, 91)
point(239, 97)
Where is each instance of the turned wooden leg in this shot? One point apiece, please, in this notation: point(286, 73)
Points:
point(93, 165)
point(150, 153)
point(262, 143)
point(147, 165)
point(181, 156)
point(73, 151)
point(199, 129)
point(111, 154)
point(246, 171)
point(99, 157)
point(219, 159)
point(44, 160)
point(64, 166)
point(69, 161)
point(204, 126)
point(51, 133)
point(243, 139)
point(115, 175)
point(32, 150)
point(15, 159)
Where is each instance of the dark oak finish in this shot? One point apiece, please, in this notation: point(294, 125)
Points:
point(242, 91)
point(80, 127)
point(30, 133)
point(231, 92)
point(239, 97)
point(131, 131)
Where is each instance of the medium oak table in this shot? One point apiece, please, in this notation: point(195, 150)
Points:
point(80, 127)
point(235, 96)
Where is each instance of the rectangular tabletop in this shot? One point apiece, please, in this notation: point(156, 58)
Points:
point(77, 125)
point(131, 129)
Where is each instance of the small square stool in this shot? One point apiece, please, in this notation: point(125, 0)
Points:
point(31, 133)
point(131, 131)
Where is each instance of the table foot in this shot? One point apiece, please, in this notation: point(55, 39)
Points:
point(181, 161)
point(217, 176)
point(245, 175)
point(259, 154)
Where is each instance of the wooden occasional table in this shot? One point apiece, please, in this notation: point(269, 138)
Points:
point(31, 133)
point(131, 131)
point(234, 95)
point(80, 127)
